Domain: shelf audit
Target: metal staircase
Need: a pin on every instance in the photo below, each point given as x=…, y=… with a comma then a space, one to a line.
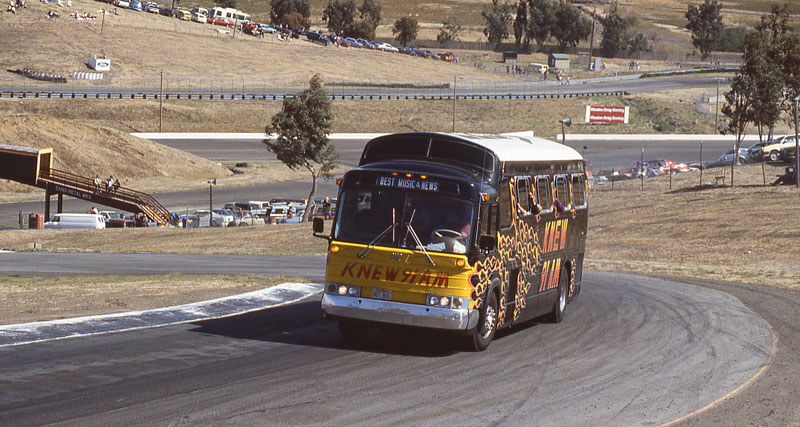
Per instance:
x=58, y=181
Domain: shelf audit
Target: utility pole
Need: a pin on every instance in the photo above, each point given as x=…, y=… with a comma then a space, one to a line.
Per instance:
x=454, y=103
x=161, y=102
x=796, y=145
x=591, y=43
x=716, y=110
x=103, y=22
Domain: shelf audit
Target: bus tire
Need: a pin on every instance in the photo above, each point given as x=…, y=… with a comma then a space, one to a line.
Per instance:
x=483, y=334
x=560, y=304
x=353, y=331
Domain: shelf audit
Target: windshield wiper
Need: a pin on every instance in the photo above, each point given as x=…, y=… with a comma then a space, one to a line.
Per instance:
x=419, y=243
x=371, y=244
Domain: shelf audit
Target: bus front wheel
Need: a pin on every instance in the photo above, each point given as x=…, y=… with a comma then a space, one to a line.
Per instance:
x=560, y=304
x=487, y=324
x=352, y=331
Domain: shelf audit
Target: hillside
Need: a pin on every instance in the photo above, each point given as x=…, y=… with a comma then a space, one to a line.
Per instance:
x=90, y=150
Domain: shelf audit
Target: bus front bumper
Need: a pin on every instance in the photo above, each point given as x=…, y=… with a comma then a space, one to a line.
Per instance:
x=398, y=313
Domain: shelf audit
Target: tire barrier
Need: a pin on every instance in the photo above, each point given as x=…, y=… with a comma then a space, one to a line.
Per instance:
x=87, y=76
x=116, y=95
x=45, y=77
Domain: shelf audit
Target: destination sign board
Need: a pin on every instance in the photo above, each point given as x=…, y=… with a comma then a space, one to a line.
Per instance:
x=407, y=183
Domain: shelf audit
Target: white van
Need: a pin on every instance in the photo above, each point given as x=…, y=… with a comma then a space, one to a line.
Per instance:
x=200, y=14
x=70, y=221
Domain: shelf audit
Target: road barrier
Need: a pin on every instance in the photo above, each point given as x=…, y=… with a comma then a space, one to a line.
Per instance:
x=87, y=76
x=256, y=96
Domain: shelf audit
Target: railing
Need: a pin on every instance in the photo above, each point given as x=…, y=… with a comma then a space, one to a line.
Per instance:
x=143, y=201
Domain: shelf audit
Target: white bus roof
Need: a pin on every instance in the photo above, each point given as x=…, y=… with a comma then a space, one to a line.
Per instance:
x=515, y=148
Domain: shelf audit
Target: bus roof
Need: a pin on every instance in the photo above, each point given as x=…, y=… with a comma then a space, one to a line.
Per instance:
x=514, y=148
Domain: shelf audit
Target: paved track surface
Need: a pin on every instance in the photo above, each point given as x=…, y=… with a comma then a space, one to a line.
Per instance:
x=631, y=351
x=75, y=263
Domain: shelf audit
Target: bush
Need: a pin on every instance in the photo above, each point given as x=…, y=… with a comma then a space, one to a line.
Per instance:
x=731, y=39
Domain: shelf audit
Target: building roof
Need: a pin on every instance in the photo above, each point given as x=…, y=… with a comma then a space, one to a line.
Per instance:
x=559, y=55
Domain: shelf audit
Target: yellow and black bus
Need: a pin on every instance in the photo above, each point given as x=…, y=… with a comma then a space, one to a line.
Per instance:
x=457, y=232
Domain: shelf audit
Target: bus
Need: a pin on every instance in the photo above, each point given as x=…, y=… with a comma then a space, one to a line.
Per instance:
x=456, y=232
x=227, y=16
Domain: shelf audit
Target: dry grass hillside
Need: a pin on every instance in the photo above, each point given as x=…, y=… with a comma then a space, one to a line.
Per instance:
x=90, y=150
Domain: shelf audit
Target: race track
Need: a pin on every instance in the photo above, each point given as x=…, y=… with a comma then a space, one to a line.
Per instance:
x=631, y=351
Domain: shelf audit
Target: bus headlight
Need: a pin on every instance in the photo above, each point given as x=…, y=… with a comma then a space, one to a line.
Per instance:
x=351, y=290
x=443, y=301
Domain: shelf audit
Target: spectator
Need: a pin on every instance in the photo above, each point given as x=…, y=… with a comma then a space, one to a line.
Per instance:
x=94, y=210
x=97, y=183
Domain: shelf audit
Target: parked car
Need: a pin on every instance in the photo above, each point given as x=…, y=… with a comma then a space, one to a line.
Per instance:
x=787, y=154
x=267, y=29
x=353, y=42
x=316, y=37
x=773, y=148
x=182, y=14
x=201, y=219
x=122, y=3
x=755, y=152
x=200, y=14
x=115, y=220
x=727, y=157
x=74, y=221
x=135, y=5
x=429, y=54
x=166, y=11
x=228, y=217
x=386, y=47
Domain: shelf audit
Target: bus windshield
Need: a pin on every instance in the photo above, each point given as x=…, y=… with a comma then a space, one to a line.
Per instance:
x=404, y=220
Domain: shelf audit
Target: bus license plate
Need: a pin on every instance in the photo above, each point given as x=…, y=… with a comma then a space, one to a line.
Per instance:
x=379, y=293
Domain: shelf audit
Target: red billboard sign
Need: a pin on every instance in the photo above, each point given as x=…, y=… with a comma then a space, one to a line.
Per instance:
x=601, y=114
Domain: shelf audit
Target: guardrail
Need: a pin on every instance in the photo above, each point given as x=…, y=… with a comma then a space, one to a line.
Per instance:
x=255, y=96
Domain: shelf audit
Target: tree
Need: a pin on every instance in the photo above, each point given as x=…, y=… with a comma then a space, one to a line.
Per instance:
x=406, y=30
x=738, y=109
x=705, y=24
x=282, y=10
x=450, y=31
x=521, y=26
x=497, y=17
x=541, y=18
x=570, y=25
x=638, y=43
x=370, y=12
x=226, y=3
x=615, y=29
x=302, y=127
x=340, y=15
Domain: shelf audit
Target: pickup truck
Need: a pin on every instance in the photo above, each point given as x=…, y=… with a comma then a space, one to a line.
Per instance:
x=115, y=220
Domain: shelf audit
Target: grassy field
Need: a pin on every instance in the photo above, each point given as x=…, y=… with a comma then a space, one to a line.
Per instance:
x=37, y=299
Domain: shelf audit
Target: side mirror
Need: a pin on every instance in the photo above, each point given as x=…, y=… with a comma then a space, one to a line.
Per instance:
x=487, y=242
x=318, y=225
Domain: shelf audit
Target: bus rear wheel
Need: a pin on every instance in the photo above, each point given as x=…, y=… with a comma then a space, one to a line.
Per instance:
x=353, y=331
x=487, y=324
x=560, y=304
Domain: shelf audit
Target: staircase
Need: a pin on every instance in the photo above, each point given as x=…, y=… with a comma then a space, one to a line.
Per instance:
x=122, y=198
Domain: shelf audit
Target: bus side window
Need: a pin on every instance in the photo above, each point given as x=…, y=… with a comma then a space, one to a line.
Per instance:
x=523, y=195
x=543, y=196
x=579, y=191
x=562, y=191
x=505, y=205
x=487, y=219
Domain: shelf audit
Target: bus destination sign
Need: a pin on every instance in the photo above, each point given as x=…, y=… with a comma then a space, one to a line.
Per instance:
x=407, y=183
